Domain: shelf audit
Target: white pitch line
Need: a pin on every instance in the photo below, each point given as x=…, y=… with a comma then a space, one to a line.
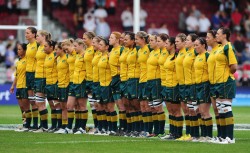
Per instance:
x=94, y=141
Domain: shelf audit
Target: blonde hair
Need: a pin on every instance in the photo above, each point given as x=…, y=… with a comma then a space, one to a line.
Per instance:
x=46, y=34
x=182, y=36
x=68, y=42
x=90, y=35
x=143, y=35
x=80, y=42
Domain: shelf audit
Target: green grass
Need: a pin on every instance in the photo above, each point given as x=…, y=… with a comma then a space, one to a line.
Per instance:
x=12, y=115
x=11, y=141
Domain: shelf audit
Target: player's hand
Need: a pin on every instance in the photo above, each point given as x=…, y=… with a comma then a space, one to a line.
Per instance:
x=11, y=89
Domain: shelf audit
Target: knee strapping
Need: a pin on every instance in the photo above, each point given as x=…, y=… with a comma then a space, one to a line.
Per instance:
x=39, y=99
x=226, y=106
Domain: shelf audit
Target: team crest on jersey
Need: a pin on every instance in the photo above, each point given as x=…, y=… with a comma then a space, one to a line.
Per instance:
x=103, y=59
x=50, y=58
x=33, y=48
x=163, y=54
x=145, y=52
x=215, y=52
x=181, y=54
x=132, y=53
x=89, y=51
x=63, y=61
x=156, y=54
x=200, y=59
x=190, y=54
x=23, y=62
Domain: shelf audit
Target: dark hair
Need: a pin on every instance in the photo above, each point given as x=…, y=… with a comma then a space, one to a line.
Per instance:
x=33, y=30
x=171, y=40
x=131, y=35
x=212, y=32
x=59, y=45
x=163, y=36
x=106, y=42
x=193, y=36
x=202, y=41
x=226, y=32
x=24, y=46
x=51, y=43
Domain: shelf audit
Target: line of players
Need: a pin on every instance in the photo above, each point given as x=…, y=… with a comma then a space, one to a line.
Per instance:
x=135, y=72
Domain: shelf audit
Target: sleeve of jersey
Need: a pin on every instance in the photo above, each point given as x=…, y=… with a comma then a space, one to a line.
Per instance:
x=231, y=56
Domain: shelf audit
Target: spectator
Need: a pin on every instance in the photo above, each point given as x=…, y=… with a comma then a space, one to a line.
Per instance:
x=222, y=6
x=24, y=5
x=216, y=21
x=99, y=13
x=102, y=28
x=9, y=56
x=192, y=23
x=100, y=3
x=2, y=51
x=12, y=6
x=152, y=29
x=236, y=20
x=247, y=9
x=247, y=27
x=143, y=16
x=163, y=29
x=245, y=79
x=89, y=22
x=204, y=25
x=127, y=19
x=182, y=19
x=111, y=6
x=64, y=2
x=196, y=12
x=63, y=36
x=246, y=56
x=224, y=20
x=78, y=18
x=240, y=46
x=55, y=4
x=2, y=5
x=229, y=7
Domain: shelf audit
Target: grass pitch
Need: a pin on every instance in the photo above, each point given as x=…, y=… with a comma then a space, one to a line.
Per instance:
x=15, y=142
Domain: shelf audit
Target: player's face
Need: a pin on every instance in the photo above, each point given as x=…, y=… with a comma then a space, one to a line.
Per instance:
x=102, y=46
x=219, y=35
x=59, y=51
x=20, y=51
x=39, y=38
x=189, y=42
x=139, y=41
x=86, y=39
x=210, y=39
x=179, y=43
x=112, y=39
x=198, y=46
x=95, y=44
x=122, y=39
x=28, y=34
x=160, y=42
x=47, y=48
x=152, y=42
x=168, y=45
x=128, y=42
x=77, y=47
